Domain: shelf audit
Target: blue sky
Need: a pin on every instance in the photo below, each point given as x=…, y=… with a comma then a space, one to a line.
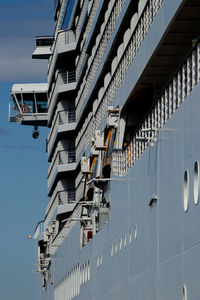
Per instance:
x=23, y=162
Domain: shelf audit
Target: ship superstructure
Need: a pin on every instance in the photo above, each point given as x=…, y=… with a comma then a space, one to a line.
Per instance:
x=122, y=107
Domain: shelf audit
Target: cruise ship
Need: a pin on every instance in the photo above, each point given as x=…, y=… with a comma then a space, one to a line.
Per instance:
x=122, y=104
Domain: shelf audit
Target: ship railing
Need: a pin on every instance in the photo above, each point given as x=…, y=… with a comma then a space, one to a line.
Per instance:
x=120, y=65
x=63, y=37
x=61, y=157
x=66, y=76
x=62, y=117
x=66, y=197
x=63, y=77
x=178, y=88
x=39, y=229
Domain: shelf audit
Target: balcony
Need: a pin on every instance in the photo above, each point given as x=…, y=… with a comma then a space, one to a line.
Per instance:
x=61, y=201
x=65, y=81
x=64, y=121
x=43, y=46
x=65, y=41
x=63, y=161
x=29, y=104
x=66, y=197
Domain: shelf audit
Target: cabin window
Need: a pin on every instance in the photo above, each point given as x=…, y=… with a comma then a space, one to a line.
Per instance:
x=120, y=244
x=112, y=251
x=184, y=292
x=88, y=270
x=97, y=262
x=135, y=232
x=125, y=241
x=196, y=182
x=130, y=237
x=186, y=191
x=116, y=248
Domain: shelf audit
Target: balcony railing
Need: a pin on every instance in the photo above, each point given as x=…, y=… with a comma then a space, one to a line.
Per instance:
x=63, y=77
x=62, y=157
x=178, y=88
x=59, y=198
x=66, y=197
x=62, y=117
x=63, y=37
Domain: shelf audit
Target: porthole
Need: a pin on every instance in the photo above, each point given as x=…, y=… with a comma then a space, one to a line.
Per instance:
x=196, y=182
x=125, y=241
x=184, y=292
x=135, y=232
x=120, y=244
x=186, y=191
